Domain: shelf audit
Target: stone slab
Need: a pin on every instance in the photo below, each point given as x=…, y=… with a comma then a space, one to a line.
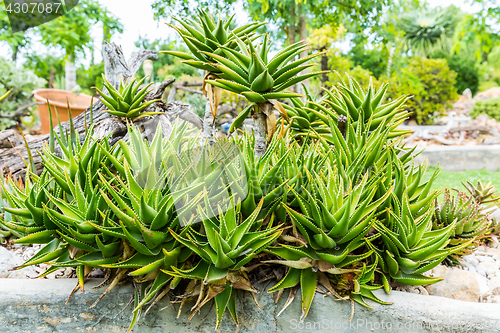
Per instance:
x=460, y=158
x=38, y=306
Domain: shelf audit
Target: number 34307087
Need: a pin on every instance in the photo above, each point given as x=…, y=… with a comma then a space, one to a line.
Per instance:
x=33, y=7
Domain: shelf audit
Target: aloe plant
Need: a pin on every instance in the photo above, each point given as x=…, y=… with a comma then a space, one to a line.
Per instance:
x=333, y=220
x=408, y=245
x=224, y=244
x=347, y=102
x=75, y=208
x=470, y=225
x=205, y=36
x=482, y=193
x=262, y=80
x=127, y=100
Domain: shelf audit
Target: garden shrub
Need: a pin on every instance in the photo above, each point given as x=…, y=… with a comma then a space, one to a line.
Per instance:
x=374, y=60
x=489, y=107
x=467, y=73
x=490, y=70
x=340, y=65
x=22, y=81
x=432, y=85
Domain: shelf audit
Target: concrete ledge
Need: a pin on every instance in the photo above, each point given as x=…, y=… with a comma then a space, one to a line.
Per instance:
x=38, y=306
x=460, y=158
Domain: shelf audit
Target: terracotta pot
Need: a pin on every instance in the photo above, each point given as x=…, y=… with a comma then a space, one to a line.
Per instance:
x=58, y=103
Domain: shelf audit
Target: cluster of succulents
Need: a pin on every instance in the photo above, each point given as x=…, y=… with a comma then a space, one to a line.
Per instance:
x=349, y=213
x=347, y=101
x=469, y=213
x=464, y=213
x=335, y=200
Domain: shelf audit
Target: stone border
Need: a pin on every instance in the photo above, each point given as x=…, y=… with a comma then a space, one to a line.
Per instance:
x=460, y=158
x=38, y=306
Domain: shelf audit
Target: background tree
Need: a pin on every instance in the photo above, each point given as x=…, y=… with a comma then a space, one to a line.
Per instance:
x=71, y=33
x=16, y=41
x=427, y=31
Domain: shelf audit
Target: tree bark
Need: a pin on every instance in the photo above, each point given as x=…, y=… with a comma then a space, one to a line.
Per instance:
x=389, y=62
x=70, y=74
x=208, y=134
x=260, y=128
x=15, y=52
x=292, y=31
x=303, y=37
x=324, y=67
x=291, y=25
x=11, y=161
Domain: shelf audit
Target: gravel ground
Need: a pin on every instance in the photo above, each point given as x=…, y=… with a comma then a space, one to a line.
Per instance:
x=12, y=255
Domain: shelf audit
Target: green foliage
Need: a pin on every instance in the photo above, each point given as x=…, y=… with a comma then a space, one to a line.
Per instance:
x=359, y=14
x=90, y=77
x=474, y=36
x=16, y=41
x=22, y=81
x=489, y=107
x=340, y=64
x=44, y=65
x=467, y=73
x=167, y=66
x=70, y=31
x=490, y=70
x=430, y=82
x=373, y=60
x=49, y=66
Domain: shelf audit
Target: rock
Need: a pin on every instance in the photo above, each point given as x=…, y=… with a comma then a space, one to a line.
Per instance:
x=30, y=306
x=494, y=214
x=483, y=283
x=437, y=271
x=457, y=284
x=471, y=259
x=489, y=267
x=8, y=260
x=413, y=289
x=463, y=106
x=467, y=94
x=494, y=283
x=485, y=258
x=468, y=266
x=481, y=271
x=495, y=252
x=490, y=93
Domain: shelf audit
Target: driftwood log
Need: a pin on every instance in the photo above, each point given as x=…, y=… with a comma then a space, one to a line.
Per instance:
x=483, y=129
x=12, y=160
